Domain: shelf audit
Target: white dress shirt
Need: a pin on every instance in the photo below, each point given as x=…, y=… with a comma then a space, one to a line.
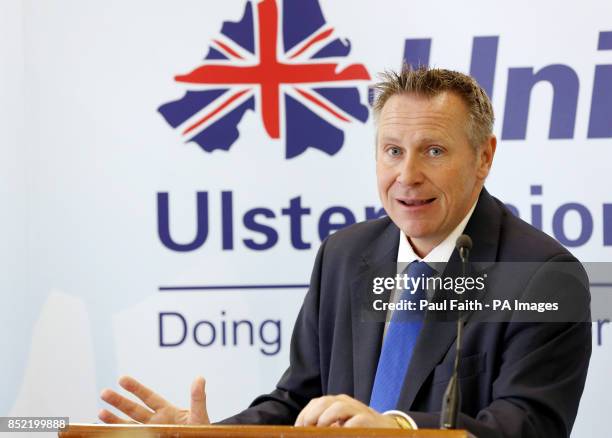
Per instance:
x=440, y=254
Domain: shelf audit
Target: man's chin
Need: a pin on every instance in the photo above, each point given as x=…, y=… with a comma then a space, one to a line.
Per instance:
x=412, y=228
x=419, y=233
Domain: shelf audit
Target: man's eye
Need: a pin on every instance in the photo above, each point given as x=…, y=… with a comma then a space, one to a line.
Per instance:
x=434, y=151
x=394, y=152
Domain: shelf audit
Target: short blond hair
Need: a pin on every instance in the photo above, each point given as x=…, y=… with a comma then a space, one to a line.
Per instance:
x=430, y=82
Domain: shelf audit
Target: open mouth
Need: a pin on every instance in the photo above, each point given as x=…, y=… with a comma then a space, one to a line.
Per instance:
x=416, y=202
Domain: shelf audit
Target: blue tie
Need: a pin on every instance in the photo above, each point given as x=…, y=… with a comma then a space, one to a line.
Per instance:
x=400, y=339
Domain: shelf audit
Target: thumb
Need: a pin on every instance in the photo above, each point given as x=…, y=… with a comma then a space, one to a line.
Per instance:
x=198, y=413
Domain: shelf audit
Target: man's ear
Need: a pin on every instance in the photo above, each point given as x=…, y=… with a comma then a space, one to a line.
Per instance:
x=486, y=152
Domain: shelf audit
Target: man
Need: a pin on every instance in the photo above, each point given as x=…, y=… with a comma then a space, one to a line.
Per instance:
x=434, y=150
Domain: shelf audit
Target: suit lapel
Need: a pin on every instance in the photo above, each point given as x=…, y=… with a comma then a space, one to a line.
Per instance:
x=484, y=228
x=436, y=336
x=379, y=261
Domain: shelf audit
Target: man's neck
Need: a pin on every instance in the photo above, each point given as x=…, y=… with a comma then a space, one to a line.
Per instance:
x=422, y=247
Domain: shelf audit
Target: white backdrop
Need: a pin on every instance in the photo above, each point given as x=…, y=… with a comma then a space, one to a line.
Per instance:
x=85, y=154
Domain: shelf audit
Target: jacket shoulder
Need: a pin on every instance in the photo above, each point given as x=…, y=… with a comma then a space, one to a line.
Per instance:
x=521, y=241
x=363, y=237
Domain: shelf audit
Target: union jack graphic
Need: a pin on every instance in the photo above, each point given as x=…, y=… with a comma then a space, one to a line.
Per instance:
x=282, y=61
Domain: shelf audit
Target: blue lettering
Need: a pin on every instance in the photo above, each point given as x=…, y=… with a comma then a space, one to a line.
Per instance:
x=536, y=209
x=521, y=81
x=326, y=227
x=162, y=341
x=600, y=120
x=163, y=223
x=600, y=324
x=223, y=323
x=586, y=224
x=374, y=213
x=276, y=336
x=209, y=334
x=607, y=224
x=213, y=333
x=249, y=324
x=484, y=60
x=227, y=220
x=295, y=213
x=416, y=52
x=251, y=224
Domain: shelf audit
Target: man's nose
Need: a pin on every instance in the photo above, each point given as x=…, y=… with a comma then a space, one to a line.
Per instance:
x=411, y=171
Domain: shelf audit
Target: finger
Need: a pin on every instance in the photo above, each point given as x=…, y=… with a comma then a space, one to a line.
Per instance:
x=359, y=420
x=127, y=406
x=149, y=398
x=198, y=414
x=299, y=422
x=110, y=418
x=315, y=408
x=338, y=412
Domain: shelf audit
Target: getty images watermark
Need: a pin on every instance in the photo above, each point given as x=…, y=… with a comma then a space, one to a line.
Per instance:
x=563, y=291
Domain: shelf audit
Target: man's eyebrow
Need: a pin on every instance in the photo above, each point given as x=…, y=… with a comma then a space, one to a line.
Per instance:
x=389, y=139
x=429, y=140
x=420, y=140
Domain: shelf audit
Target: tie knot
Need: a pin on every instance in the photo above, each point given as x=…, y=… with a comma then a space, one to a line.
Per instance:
x=415, y=281
x=418, y=269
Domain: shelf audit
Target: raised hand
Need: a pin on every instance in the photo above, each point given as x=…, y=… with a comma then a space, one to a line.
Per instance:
x=156, y=409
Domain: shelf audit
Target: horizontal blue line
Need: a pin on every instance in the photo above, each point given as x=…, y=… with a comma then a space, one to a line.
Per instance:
x=232, y=287
x=601, y=284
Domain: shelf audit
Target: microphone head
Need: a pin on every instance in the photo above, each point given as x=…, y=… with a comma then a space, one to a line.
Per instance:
x=464, y=241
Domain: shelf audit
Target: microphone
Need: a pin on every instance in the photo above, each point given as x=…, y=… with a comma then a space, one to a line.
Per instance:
x=464, y=245
x=451, y=402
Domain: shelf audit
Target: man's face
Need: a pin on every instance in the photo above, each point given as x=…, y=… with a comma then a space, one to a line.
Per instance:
x=428, y=173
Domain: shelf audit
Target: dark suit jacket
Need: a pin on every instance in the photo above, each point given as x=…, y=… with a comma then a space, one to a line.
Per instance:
x=518, y=379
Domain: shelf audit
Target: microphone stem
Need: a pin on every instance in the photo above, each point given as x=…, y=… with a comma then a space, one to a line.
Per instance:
x=458, y=352
x=452, y=396
x=464, y=254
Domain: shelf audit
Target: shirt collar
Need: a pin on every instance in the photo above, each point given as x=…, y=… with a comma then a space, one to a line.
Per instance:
x=441, y=253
